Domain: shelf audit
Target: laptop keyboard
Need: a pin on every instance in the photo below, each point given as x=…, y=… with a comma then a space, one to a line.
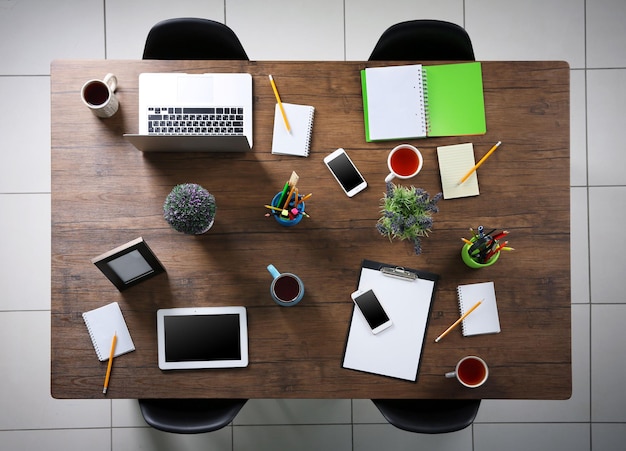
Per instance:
x=215, y=121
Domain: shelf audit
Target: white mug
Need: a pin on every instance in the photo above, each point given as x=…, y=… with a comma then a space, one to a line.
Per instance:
x=470, y=371
x=404, y=161
x=99, y=96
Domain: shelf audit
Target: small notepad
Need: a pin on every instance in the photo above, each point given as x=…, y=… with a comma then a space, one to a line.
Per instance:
x=454, y=162
x=298, y=142
x=483, y=320
x=102, y=323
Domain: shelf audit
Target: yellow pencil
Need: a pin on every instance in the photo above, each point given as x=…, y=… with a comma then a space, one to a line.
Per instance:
x=280, y=105
x=482, y=160
x=466, y=241
x=108, y=375
x=458, y=321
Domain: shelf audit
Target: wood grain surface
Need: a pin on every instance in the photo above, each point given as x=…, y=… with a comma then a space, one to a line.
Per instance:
x=105, y=193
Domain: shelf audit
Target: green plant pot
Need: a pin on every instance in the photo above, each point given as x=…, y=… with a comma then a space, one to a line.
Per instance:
x=469, y=261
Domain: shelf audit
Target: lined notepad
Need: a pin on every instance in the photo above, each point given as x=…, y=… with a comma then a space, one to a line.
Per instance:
x=102, y=323
x=298, y=141
x=483, y=320
x=454, y=162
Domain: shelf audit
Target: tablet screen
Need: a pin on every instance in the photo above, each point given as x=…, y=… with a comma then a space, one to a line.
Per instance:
x=202, y=337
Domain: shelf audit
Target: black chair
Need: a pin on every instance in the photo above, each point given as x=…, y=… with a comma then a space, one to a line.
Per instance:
x=423, y=40
x=429, y=416
x=192, y=39
x=190, y=416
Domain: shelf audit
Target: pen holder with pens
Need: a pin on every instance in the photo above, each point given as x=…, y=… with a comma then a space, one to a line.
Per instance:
x=474, y=263
x=294, y=210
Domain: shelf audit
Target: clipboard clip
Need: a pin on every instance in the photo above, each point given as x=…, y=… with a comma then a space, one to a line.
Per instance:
x=398, y=272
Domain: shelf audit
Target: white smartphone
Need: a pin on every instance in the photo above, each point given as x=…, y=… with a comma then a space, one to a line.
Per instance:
x=345, y=172
x=372, y=310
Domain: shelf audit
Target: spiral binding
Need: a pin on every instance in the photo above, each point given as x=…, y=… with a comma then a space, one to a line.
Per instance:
x=461, y=307
x=308, y=133
x=425, y=101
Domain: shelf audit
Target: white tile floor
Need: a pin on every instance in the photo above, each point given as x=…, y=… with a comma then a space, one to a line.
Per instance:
x=589, y=34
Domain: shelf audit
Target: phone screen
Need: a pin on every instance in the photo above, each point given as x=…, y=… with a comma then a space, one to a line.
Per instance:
x=345, y=172
x=372, y=310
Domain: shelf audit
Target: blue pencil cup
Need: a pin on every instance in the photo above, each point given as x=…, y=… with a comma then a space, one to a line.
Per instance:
x=285, y=221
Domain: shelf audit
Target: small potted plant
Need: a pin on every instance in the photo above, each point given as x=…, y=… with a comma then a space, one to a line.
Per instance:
x=190, y=209
x=407, y=214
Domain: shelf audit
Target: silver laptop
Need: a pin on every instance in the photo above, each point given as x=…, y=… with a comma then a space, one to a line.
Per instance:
x=194, y=112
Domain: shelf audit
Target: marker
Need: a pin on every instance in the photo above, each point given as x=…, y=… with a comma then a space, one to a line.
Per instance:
x=458, y=321
x=280, y=105
x=482, y=160
x=108, y=375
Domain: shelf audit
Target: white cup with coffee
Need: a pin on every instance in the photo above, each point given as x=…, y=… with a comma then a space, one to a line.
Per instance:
x=99, y=96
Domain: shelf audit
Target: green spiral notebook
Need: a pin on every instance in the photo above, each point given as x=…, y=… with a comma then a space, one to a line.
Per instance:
x=415, y=101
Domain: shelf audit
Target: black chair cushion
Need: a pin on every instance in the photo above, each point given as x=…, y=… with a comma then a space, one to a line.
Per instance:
x=425, y=40
x=193, y=39
x=190, y=416
x=429, y=416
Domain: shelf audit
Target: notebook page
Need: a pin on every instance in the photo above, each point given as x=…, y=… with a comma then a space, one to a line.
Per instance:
x=483, y=320
x=395, y=102
x=298, y=142
x=454, y=162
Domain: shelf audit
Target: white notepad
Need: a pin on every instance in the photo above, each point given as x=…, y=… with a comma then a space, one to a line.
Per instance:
x=102, y=323
x=298, y=142
x=483, y=320
x=454, y=162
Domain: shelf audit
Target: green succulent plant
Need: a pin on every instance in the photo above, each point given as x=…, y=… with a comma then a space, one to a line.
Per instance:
x=407, y=214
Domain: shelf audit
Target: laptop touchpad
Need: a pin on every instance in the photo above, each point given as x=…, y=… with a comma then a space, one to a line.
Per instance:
x=195, y=90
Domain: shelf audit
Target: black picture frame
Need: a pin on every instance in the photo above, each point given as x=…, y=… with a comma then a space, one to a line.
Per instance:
x=129, y=264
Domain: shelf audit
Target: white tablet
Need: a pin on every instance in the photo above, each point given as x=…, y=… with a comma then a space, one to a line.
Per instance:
x=202, y=337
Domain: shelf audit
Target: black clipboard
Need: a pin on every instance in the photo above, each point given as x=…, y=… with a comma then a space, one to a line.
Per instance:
x=407, y=294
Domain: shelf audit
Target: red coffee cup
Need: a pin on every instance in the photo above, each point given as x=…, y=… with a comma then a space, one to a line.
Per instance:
x=471, y=371
x=404, y=161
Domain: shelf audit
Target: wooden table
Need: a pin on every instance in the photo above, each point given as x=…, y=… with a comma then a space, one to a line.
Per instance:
x=105, y=193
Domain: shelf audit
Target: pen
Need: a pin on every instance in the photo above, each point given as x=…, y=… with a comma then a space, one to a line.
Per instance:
x=280, y=105
x=482, y=160
x=106, y=378
x=458, y=321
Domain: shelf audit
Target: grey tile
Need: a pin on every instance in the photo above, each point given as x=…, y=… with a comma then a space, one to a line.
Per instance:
x=608, y=363
x=530, y=30
x=578, y=128
x=606, y=96
x=575, y=409
x=606, y=218
x=294, y=411
x=36, y=32
x=149, y=439
x=292, y=437
x=25, y=136
x=25, y=270
x=288, y=30
x=128, y=23
x=366, y=20
x=579, y=239
x=606, y=33
x=57, y=440
x=25, y=369
x=126, y=413
x=375, y=437
x=608, y=437
x=364, y=411
x=532, y=437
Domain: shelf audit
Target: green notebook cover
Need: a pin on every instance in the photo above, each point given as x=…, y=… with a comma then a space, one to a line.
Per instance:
x=456, y=105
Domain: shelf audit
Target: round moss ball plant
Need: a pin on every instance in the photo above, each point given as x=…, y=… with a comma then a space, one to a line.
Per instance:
x=190, y=209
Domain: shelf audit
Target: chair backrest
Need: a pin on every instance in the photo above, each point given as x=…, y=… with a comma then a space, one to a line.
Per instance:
x=424, y=40
x=193, y=39
x=429, y=416
x=190, y=416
